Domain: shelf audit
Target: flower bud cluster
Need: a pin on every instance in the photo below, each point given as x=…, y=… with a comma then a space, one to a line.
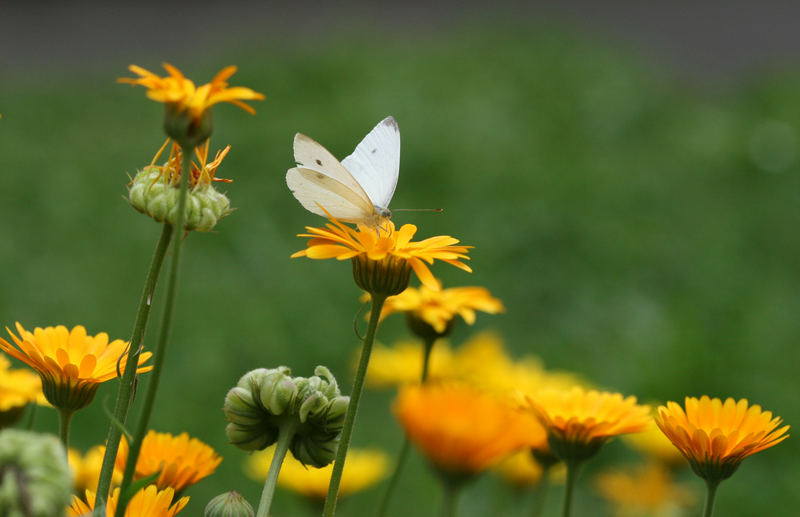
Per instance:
x=35, y=480
x=229, y=504
x=265, y=400
x=152, y=194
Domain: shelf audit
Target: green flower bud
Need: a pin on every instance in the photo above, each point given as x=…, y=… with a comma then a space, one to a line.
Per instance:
x=265, y=399
x=229, y=504
x=35, y=480
x=152, y=194
x=184, y=128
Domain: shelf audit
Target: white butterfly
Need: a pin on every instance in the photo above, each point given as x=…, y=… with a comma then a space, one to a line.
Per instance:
x=358, y=189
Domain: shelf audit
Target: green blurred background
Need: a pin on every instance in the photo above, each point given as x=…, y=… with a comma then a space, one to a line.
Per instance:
x=637, y=216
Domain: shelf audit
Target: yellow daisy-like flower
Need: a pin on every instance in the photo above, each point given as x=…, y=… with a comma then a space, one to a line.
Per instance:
x=147, y=502
x=180, y=461
x=655, y=445
x=86, y=469
x=18, y=388
x=379, y=254
x=437, y=308
x=178, y=90
x=71, y=363
x=402, y=363
x=647, y=491
x=363, y=468
x=715, y=436
x=461, y=430
x=579, y=422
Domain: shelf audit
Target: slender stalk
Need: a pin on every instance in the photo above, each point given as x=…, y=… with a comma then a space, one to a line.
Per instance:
x=572, y=475
x=31, y=416
x=352, y=408
x=163, y=336
x=126, y=386
x=540, y=493
x=711, y=495
x=450, y=492
x=285, y=435
x=64, y=419
x=402, y=457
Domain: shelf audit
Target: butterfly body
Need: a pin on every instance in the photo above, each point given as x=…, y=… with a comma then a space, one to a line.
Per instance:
x=356, y=190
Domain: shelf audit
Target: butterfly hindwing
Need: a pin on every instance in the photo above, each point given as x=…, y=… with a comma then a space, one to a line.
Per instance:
x=375, y=163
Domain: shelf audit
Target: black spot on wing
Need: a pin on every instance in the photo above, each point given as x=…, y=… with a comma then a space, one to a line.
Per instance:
x=319, y=162
x=373, y=151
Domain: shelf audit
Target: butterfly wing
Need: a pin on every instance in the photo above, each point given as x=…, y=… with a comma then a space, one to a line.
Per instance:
x=375, y=163
x=320, y=181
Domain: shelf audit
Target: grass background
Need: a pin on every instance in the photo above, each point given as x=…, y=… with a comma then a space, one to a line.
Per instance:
x=641, y=231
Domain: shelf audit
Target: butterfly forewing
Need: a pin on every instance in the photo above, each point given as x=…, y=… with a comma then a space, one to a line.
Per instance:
x=375, y=163
x=318, y=193
x=311, y=155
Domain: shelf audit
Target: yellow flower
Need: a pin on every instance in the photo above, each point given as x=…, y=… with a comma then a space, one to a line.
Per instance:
x=179, y=460
x=439, y=307
x=460, y=429
x=202, y=173
x=17, y=389
x=147, y=502
x=86, y=469
x=647, y=491
x=653, y=443
x=363, y=468
x=180, y=91
x=715, y=436
x=579, y=422
x=384, y=245
x=71, y=364
x=402, y=363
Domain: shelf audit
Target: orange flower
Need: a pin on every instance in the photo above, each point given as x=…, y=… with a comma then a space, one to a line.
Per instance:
x=579, y=422
x=147, y=502
x=202, y=173
x=71, y=364
x=179, y=460
x=460, y=430
x=384, y=244
x=648, y=490
x=86, y=468
x=439, y=307
x=715, y=436
x=180, y=91
x=17, y=389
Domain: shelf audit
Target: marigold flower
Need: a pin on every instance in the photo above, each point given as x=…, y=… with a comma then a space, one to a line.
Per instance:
x=86, y=468
x=180, y=461
x=437, y=308
x=188, y=118
x=364, y=468
x=579, y=422
x=17, y=389
x=461, y=430
x=71, y=364
x=647, y=491
x=147, y=502
x=715, y=436
x=383, y=251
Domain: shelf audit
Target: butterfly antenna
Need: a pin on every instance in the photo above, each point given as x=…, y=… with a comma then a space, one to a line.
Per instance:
x=417, y=209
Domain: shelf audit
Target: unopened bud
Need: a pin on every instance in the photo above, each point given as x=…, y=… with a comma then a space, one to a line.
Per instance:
x=229, y=504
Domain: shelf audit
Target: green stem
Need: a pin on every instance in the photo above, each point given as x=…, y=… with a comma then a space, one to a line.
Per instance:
x=126, y=386
x=64, y=419
x=31, y=416
x=352, y=408
x=401, y=458
x=285, y=435
x=572, y=475
x=450, y=492
x=711, y=495
x=163, y=336
x=540, y=493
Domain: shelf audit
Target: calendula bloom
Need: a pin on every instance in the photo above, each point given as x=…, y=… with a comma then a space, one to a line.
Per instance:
x=86, y=468
x=364, y=468
x=402, y=363
x=147, y=502
x=179, y=460
x=647, y=491
x=438, y=308
x=715, y=436
x=383, y=254
x=155, y=189
x=71, y=363
x=655, y=445
x=18, y=388
x=579, y=422
x=459, y=429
